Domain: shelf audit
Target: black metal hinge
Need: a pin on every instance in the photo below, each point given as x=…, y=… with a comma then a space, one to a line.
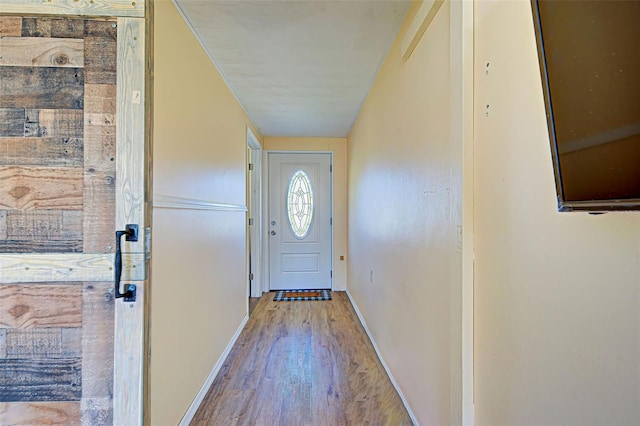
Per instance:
x=250, y=166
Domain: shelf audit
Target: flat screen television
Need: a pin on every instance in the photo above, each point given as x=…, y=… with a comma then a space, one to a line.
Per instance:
x=589, y=56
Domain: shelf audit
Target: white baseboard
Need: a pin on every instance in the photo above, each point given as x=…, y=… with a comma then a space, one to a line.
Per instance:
x=188, y=416
x=384, y=364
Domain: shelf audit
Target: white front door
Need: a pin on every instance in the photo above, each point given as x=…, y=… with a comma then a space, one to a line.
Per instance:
x=300, y=239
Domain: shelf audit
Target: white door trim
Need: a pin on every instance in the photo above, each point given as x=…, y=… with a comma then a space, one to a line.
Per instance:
x=254, y=200
x=265, y=211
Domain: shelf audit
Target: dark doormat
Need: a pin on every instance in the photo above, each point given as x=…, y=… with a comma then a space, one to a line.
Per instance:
x=295, y=295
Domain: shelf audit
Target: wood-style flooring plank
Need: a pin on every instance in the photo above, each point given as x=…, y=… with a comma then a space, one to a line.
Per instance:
x=302, y=363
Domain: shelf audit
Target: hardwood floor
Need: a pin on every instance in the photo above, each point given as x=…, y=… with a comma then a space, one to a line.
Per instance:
x=302, y=363
x=253, y=302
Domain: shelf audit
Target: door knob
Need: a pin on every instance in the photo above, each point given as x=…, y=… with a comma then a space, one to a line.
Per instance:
x=273, y=232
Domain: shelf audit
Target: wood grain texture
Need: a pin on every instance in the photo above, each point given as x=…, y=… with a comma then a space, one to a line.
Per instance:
x=99, y=211
x=3, y=343
x=40, y=305
x=100, y=98
x=303, y=363
x=42, y=231
x=40, y=413
x=10, y=26
x=12, y=122
x=43, y=343
x=101, y=52
x=40, y=380
x=55, y=151
x=130, y=156
x=74, y=7
x=53, y=27
x=97, y=350
x=44, y=224
x=129, y=339
x=3, y=224
x=54, y=122
x=15, y=268
x=38, y=52
x=100, y=60
x=40, y=87
x=41, y=188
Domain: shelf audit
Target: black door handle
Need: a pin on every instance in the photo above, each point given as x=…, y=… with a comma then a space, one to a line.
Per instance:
x=131, y=234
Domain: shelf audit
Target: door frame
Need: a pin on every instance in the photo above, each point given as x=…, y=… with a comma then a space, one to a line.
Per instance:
x=265, y=212
x=133, y=143
x=254, y=211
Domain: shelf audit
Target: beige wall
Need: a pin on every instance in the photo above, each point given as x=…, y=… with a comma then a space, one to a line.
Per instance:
x=557, y=325
x=199, y=290
x=402, y=226
x=338, y=146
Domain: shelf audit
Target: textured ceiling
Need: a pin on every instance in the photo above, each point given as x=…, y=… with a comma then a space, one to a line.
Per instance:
x=299, y=68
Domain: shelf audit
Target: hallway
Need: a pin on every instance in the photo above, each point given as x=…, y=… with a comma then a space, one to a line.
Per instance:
x=302, y=363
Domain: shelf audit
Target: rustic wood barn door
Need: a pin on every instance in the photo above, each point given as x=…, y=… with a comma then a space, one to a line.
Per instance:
x=72, y=172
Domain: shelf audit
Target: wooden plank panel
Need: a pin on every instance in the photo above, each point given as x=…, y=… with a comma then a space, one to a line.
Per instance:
x=128, y=399
x=12, y=122
x=99, y=98
x=40, y=87
x=15, y=268
x=40, y=380
x=31, y=246
x=10, y=26
x=40, y=305
x=44, y=224
x=3, y=343
x=36, y=342
x=126, y=8
x=3, y=224
x=72, y=341
x=43, y=343
x=38, y=52
x=67, y=28
x=99, y=212
x=99, y=120
x=54, y=122
x=53, y=27
x=100, y=152
x=100, y=60
x=60, y=151
x=107, y=29
x=36, y=27
x=97, y=350
x=131, y=128
x=41, y=188
x=43, y=231
x=40, y=413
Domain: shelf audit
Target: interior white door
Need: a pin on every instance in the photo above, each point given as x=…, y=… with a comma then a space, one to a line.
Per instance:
x=300, y=239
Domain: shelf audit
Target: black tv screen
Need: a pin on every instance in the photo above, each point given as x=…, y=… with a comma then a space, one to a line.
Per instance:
x=589, y=55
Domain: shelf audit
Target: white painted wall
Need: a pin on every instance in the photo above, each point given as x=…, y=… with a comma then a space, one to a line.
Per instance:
x=199, y=287
x=557, y=309
x=405, y=192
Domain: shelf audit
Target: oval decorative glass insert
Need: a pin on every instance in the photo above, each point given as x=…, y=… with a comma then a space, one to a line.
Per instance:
x=300, y=204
